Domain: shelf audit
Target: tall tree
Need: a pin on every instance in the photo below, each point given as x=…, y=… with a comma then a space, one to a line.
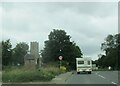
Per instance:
x=59, y=44
x=110, y=42
x=19, y=52
x=6, y=52
x=111, y=48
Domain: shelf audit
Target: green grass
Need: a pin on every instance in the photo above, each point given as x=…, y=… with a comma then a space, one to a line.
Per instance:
x=23, y=75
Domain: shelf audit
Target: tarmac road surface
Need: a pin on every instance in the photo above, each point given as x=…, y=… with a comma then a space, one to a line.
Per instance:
x=97, y=77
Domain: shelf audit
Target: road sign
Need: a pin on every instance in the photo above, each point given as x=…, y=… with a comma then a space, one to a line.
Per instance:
x=60, y=57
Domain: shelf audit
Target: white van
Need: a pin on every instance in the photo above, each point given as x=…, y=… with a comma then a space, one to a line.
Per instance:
x=84, y=65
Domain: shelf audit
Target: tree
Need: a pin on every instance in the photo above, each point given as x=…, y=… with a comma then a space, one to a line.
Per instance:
x=6, y=52
x=111, y=48
x=110, y=42
x=59, y=44
x=100, y=61
x=19, y=52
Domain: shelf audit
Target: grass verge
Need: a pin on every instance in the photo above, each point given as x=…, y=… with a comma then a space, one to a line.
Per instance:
x=23, y=75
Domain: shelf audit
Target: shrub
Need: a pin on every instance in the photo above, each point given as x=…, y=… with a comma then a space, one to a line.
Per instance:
x=63, y=69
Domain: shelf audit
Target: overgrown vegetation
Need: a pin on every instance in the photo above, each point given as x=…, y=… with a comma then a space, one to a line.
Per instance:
x=24, y=75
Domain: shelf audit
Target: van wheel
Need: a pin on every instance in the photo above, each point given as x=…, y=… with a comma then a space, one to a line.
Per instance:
x=78, y=72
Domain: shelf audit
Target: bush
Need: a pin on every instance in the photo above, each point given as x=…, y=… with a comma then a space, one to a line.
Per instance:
x=63, y=69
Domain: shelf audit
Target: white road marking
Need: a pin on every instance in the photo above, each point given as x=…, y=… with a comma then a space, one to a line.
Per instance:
x=96, y=73
x=101, y=76
x=105, y=78
x=114, y=83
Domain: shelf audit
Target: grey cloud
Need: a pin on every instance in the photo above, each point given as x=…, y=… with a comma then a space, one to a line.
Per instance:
x=87, y=23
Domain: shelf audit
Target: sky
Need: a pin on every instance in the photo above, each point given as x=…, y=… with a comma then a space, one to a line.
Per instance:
x=88, y=23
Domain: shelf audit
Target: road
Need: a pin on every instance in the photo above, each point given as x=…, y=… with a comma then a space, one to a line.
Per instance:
x=97, y=77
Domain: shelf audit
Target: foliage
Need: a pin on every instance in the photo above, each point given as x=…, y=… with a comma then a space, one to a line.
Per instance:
x=53, y=70
x=59, y=44
x=24, y=75
x=19, y=52
x=63, y=69
x=6, y=52
x=111, y=46
x=13, y=56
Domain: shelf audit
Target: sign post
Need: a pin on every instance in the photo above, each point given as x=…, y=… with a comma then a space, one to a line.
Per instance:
x=60, y=58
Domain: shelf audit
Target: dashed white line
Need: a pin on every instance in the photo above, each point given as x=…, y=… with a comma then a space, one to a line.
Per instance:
x=101, y=76
x=114, y=83
x=105, y=78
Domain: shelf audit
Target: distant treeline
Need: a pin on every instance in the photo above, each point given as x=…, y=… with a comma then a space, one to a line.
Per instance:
x=59, y=44
x=111, y=47
x=13, y=56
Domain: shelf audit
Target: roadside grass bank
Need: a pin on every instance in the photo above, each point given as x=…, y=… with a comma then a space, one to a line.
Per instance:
x=30, y=75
